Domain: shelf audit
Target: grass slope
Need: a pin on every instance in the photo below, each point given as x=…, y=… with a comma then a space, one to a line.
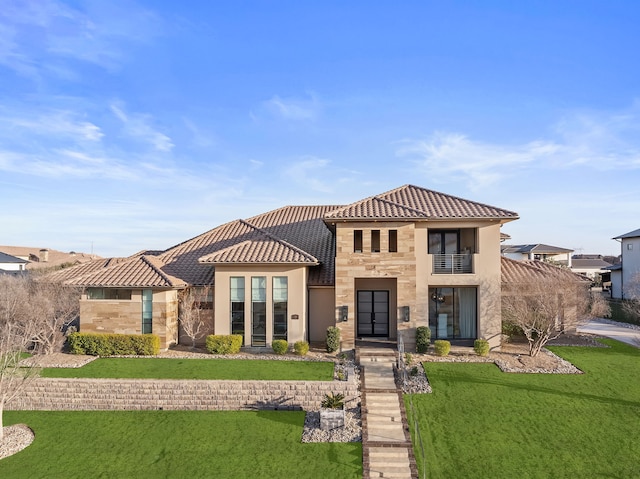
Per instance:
x=480, y=422
x=175, y=444
x=164, y=368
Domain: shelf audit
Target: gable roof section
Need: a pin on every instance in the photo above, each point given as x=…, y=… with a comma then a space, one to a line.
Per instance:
x=532, y=271
x=415, y=203
x=7, y=258
x=136, y=272
x=630, y=234
x=536, y=248
x=262, y=248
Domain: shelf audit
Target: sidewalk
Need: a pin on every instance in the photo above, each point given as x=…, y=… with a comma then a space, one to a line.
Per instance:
x=610, y=329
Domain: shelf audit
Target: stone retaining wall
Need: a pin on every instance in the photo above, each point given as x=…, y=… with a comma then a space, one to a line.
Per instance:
x=151, y=394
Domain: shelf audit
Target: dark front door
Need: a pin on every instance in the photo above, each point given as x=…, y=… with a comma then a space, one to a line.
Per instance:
x=373, y=313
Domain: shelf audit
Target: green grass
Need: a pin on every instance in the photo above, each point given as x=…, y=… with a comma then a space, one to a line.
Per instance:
x=480, y=422
x=164, y=368
x=174, y=444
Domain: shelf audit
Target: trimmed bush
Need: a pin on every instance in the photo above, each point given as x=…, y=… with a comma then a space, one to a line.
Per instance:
x=333, y=339
x=97, y=344
x=511, y=330
x=423, y=338
x=280, y=346
x=224, y=343
x=481, y=347
x=442, y=347
x=301, y=348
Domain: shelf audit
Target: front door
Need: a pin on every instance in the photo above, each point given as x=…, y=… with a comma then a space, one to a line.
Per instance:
x=373, y=313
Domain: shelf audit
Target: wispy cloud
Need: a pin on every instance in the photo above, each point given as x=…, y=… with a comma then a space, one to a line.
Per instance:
x=308, y=172
x=589, y=140
x=294, y=109
x=138, y=126
x=38, y=36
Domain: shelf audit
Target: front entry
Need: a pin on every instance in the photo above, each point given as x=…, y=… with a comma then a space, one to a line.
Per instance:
x=373, y=313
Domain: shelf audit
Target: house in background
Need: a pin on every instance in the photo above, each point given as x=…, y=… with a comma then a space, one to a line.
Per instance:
x=590, y=265
x=46, y=258
x=541, y=252
x=376, y=268
x=623, y=275
x=11, y=264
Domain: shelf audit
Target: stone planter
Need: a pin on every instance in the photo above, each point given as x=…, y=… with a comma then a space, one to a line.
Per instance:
x=331, y=418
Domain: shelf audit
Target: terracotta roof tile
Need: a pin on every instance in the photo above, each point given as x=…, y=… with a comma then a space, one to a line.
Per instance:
x=413, y=202
x=523, y=272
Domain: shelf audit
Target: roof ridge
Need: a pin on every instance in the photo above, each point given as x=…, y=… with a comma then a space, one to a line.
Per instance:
x=162, y=274
x=280, y=240
x=398, y=205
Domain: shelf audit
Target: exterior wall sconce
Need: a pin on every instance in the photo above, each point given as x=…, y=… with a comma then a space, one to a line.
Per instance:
x=405, y=313
x=343, y=313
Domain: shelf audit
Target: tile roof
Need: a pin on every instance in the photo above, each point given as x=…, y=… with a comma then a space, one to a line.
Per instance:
x=82, y=269
x=631, y=234
x=415, y=203
x=533, y=271
x=135, y=272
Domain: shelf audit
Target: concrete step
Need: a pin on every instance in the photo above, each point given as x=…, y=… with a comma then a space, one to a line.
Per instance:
x=388, y=453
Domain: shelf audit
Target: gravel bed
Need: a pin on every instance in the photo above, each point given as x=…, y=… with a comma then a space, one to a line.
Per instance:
x=416, y=380
x=16, y=438
x=351, y=432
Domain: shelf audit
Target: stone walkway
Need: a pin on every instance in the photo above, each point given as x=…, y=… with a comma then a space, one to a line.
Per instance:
x=387, y=451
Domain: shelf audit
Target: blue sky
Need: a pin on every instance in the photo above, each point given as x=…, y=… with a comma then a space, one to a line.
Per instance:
x=130, y=125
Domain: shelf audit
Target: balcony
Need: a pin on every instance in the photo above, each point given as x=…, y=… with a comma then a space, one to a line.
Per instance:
x=452, y=263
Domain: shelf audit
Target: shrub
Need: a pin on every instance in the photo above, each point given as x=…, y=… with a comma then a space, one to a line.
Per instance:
x=408, y=358
x=511, y=330
x=333, y=339
x=301, y=348
x=97, y=344
x=224, y=343
x=481, y=347
x=442, y=347
x=414, y=371
x=280, y=346
x=333, y=401
x=423, y=338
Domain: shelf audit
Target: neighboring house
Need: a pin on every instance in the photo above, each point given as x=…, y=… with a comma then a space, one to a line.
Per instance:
x=11, y=264
x=562, y=285
x=625, y=275
x=590, y=265
x=378, y=268
x=41, y=258
x=542, y=252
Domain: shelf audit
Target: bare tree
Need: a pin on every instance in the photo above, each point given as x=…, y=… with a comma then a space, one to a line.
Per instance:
x=631, y=303
x=16, y=332
x=545, y=308
x=193, y=304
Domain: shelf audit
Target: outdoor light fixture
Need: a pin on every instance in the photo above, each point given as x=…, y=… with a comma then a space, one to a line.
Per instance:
x=344, y=313
x=405, y=314
x=438, y=298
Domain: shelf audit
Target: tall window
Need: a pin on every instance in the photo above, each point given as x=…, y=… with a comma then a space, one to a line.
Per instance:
x=443, y=242
x=237, y=306
x=393, y=241
x=452, y=313
x=357, y=241
x=375, y=241
x=147, y=311
x=280, y=297
x=259, y=311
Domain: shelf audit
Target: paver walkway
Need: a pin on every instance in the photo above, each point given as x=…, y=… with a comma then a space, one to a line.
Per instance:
x=386, y=443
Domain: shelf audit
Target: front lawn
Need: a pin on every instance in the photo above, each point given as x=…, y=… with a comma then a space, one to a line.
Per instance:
x=165, y=368
x=175, y=444
x=481, y=422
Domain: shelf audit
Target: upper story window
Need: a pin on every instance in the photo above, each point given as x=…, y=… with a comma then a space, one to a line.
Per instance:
x=109, y=293
x=357, y=241
x=393, y=241
x=375, y=241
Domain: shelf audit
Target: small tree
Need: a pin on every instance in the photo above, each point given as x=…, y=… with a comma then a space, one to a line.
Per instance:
x=545, y=308
x=192, y=303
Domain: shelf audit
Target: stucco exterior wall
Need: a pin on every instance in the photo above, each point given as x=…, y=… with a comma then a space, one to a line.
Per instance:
x=297, y=299
x=630, y=266
x=322, y=310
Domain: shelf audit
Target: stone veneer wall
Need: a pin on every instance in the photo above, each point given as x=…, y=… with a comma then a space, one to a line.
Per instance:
x=149, y=394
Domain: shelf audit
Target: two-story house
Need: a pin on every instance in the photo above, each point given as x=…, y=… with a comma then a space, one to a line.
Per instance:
x=378, y=267
x=626, y=275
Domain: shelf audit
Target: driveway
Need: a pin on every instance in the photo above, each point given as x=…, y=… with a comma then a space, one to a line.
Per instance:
x=610, y=329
